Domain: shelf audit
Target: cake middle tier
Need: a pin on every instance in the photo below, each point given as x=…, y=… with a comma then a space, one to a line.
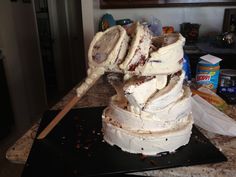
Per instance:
x=162, y=119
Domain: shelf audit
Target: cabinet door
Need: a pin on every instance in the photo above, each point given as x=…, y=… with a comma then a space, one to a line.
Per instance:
x=6, y=118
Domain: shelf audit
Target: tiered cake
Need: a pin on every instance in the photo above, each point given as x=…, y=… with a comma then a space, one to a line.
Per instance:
x=151, y=112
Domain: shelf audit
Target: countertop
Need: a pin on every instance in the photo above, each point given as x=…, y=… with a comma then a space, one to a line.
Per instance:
x=99, y=95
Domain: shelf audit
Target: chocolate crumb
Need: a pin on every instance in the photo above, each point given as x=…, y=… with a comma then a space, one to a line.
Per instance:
x=78, y=146
x=153, y=162
x=180, y=61
x=96, y=47
x=142, y=157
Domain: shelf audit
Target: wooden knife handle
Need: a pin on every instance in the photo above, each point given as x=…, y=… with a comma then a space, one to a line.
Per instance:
x=81, y=90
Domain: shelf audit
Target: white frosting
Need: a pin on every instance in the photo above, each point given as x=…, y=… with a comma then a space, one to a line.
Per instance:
x=138, y=93
x=92, y=77
x=108, y=48
x=172, y=92
x=166, y=59
x=148, y=143
x=162, y=119
x=158, y=116
x=138, y=50
x=106, y=51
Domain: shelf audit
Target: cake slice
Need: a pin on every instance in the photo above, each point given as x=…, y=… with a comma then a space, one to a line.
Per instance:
x=138, y=49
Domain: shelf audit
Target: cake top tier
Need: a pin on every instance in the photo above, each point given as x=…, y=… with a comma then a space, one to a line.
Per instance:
x=135, y=51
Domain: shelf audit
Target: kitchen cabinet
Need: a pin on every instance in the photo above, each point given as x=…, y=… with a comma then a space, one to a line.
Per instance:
x=6, y=118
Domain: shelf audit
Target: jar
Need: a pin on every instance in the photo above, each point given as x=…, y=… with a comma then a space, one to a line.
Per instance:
x=227, y=81
x=207, y=75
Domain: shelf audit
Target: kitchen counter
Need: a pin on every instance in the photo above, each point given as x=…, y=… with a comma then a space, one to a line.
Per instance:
x=99, y=95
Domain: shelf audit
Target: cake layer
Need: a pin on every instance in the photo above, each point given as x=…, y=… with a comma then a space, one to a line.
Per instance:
x=162, y=119
x=150, y=143
x=108, y=48
x=166, y=56
x=172, y=92
x=139, y=89
x=138, y=50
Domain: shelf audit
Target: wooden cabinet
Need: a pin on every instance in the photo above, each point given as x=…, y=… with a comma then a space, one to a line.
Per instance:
x=115, y=4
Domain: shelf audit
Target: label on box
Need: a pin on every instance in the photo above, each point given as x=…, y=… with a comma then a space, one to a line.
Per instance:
x=227, y=90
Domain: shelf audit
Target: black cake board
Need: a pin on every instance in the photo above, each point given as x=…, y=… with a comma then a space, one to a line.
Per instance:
x=75, y=148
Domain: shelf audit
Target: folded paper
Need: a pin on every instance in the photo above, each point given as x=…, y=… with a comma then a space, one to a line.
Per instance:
x=211, y=119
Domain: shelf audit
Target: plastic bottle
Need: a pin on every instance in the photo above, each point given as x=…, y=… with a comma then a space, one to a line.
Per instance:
x=186, y=67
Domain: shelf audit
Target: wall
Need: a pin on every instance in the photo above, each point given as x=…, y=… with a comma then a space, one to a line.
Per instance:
x=88, y=23
x=210, y=18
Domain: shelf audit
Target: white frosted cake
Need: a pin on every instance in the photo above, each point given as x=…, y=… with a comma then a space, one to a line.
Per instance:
x=151, y=112
x=162, y=124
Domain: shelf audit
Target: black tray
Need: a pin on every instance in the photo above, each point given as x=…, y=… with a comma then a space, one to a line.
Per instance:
x=75, y=148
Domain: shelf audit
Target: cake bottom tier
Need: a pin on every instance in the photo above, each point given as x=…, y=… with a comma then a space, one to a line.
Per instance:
x=150, y=143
